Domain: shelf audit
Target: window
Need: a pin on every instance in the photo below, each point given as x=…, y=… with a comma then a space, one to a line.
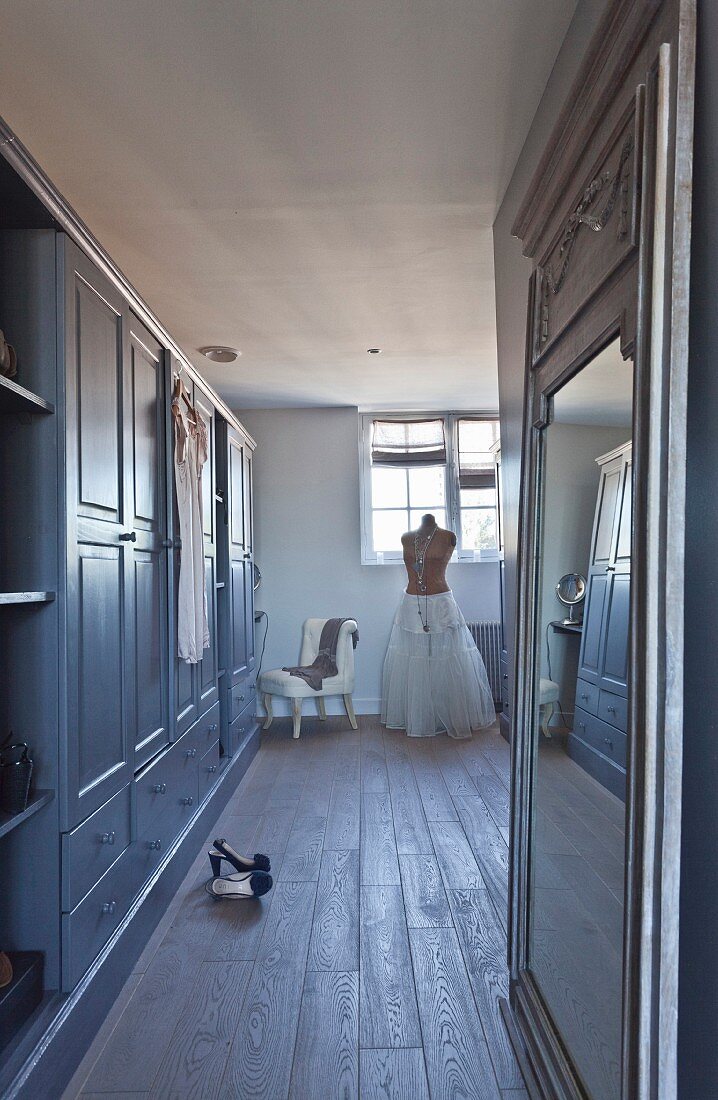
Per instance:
x=415, y=464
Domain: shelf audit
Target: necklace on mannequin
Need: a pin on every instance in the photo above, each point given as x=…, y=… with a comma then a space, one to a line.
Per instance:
x=419, y=566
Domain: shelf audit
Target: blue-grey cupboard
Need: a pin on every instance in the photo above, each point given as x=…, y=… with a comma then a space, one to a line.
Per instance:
x=135, y=751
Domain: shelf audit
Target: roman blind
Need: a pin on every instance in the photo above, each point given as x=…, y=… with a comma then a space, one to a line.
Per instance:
x=476, y=459
x=408, y=443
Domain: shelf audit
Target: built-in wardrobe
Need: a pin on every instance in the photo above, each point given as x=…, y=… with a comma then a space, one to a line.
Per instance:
x=134, y=751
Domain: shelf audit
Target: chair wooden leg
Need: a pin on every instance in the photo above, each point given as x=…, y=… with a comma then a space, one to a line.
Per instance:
x=546, y=714
x=349, y=707
x=296, y=716
x=268, y=708
x=321, y=708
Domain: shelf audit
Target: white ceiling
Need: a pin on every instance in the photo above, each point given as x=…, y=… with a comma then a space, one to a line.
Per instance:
x=301, y=179
x=601, y=394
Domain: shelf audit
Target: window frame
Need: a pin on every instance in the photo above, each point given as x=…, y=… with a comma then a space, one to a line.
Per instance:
x=369, y=556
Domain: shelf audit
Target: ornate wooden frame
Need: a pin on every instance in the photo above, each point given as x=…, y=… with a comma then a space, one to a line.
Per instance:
x=607, y=223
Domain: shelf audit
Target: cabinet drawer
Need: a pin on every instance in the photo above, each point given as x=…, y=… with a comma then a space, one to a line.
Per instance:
x=206, y=730
x=243, y=724
x=602, y=737
x=587, y=696
x=88, y=927
x=208, y=771
x=91, y=849
x=156, y=841
x=158, y=785
x=242, y=696
x=613, y=709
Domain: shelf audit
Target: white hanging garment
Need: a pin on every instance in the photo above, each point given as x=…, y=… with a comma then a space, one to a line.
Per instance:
x=190, y=455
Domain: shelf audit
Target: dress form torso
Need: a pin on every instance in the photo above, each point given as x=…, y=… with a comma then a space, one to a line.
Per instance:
x=437, y=557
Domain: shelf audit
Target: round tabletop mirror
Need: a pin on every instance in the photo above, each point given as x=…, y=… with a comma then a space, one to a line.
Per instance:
x=571, y=591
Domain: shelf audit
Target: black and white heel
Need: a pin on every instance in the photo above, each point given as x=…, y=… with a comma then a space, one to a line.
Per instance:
x=222, y=850
x=249, y=884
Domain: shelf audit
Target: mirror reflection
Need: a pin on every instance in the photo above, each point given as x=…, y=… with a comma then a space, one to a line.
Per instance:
x=581, y=691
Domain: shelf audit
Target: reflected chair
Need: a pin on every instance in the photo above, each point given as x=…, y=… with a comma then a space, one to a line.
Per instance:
x=548, y=695
x=283, y=684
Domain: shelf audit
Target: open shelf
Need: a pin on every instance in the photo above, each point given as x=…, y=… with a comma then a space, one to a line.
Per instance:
x=38, y=799
x=26, y=597
x=16, y=399
x=567, y=628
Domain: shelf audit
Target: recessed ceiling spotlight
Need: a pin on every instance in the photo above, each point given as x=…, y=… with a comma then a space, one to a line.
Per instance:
x=219, y=354
x=374, y=351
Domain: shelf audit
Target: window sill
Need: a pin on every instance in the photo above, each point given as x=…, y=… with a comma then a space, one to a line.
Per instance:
x=487, y=558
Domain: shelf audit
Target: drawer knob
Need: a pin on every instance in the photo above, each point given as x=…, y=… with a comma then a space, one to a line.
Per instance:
x=190, y=752
x=188, y=801
x=108, y=838
x=212, y=728
x=211, y=768
x=160, y=788
x=584, y=695
x=506, y=676
x=608, y=741
x=241, y=698
x=109, y=907
x=154, y=845
x=582, y=725
x=611, y=710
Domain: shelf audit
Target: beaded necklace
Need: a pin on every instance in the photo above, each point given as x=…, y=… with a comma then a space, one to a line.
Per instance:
x=419, y=566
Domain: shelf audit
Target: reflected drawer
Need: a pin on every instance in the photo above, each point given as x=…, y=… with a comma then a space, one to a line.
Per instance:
x=91, y=848
x=206, y=730
x=241, y=728
x=613, y=709
x=242, y=696
x=587, y=696
x=208, y=771
x=159, y=785
x=602, y=737
x=86, y=930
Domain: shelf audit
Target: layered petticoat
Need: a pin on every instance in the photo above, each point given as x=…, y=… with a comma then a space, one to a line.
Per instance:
x=434, y=681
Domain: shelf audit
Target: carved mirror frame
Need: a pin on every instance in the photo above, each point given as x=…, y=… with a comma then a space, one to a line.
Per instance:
x=606, y=222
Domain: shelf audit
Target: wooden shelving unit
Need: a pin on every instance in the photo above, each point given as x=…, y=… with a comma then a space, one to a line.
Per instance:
x=37, y=800
x=21, y=598
x=16, y=399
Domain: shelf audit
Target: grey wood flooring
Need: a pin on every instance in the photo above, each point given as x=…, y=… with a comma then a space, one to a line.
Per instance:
x=374, y=966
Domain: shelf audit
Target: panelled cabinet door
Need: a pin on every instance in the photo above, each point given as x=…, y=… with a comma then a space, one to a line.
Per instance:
x=605, y=524
x=145, y=399
x=99, y=554
x=208, y=668
x=240, y=573
x=622, y=556
x=589, y=662
x=614, y=670
x=249, y=560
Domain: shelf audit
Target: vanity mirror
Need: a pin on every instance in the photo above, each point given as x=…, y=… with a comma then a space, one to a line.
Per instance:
x=595, y=829
x=571, y=592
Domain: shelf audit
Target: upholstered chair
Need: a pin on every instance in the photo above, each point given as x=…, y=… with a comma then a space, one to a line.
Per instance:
x=277, y=682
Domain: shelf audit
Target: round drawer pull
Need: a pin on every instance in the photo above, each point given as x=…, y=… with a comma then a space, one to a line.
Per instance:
x=584, y=695
x=190, y=752
x=241, y=698
x=108, y=838
x=582, y=725
x=154, y=845
x=212, y=728
x=109, y=907
x=608, y=741
x=188, y=801
x=211, y=768
x=611, y=710
x=160, y=788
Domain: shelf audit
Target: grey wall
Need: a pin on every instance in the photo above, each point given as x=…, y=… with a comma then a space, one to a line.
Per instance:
x=698, y=993
x=307, y=543
x=572, y=478
x=512, y=272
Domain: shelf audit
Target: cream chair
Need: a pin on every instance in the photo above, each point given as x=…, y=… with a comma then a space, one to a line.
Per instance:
x=278, y=682
x=548, y=695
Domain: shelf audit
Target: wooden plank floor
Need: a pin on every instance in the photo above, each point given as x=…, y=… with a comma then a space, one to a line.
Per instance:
x=374, y=966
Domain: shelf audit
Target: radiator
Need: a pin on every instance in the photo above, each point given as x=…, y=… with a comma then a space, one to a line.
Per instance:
x=487, y=636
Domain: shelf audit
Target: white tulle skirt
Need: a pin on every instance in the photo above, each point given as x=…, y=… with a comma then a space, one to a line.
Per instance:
x=434, y=681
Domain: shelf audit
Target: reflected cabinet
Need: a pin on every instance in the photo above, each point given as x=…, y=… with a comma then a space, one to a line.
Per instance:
x=596, y=776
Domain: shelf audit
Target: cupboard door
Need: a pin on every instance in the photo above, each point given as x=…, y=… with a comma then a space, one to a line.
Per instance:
x=614, y=671
x=604, y=528
x=99, y=556
x=589, y=662
x=208, y=670
x=240, y=566
x=622, y=556
x=145, y=399
x=249, y=559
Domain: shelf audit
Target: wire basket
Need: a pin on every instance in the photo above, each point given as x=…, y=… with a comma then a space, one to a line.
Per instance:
x=15, y=775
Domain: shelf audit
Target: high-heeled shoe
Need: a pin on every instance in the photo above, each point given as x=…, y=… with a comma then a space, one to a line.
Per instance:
x=222, y=850
x=250, y=884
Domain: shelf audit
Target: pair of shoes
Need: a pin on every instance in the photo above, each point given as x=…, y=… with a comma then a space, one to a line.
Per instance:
x=252, y=879
x=222, y=850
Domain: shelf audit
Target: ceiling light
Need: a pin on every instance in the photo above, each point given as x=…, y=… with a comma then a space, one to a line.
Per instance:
x=219, y=354
x=374, y=351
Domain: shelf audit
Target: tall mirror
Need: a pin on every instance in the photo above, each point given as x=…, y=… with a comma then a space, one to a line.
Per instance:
x=581, y=689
